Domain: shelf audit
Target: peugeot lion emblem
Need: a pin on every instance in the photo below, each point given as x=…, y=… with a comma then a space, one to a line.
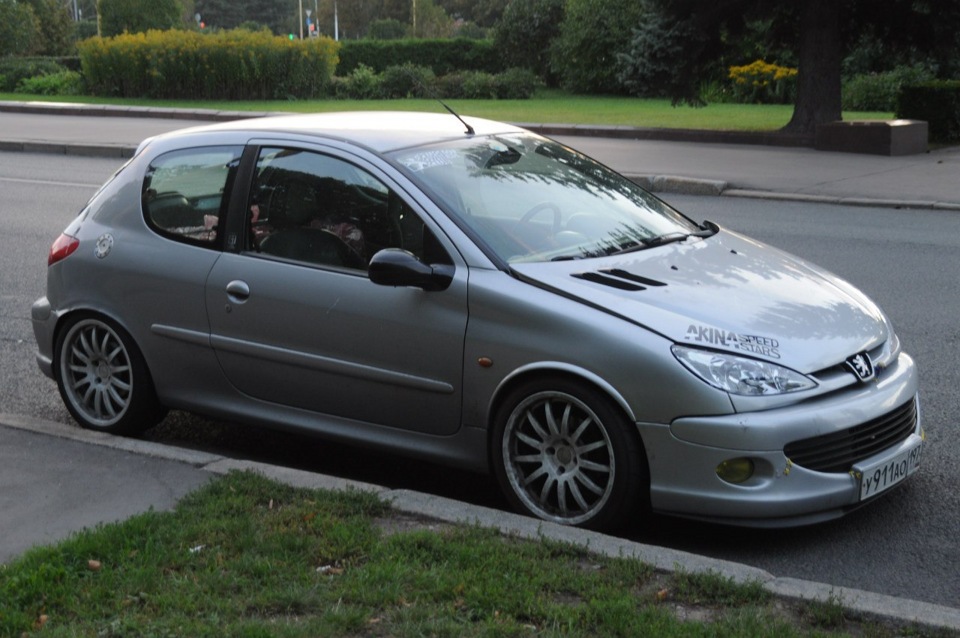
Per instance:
x=862, y=366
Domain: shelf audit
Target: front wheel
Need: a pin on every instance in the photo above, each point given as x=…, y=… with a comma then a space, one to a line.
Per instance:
x=103, y=379
x=563, y=452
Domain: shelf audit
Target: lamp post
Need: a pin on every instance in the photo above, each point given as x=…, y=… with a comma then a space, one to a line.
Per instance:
x=300, y=17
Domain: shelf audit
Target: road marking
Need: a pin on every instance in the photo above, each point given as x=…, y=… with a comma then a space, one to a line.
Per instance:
x=21, y=180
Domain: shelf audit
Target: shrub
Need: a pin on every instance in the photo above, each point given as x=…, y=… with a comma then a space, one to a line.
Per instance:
x=878, y=91
x=14, y=70
x=938, y=103
x=516, y=84
x=478, y=85
x=228, y=65
x=407, y=80
x=62, y=83
x=363, y=83
x=763, y=83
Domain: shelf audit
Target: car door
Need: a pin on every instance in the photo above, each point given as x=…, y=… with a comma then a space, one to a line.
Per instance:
x=296, y=321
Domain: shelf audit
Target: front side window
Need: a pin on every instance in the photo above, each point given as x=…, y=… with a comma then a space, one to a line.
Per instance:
x=183, y=192
x=530, y=199
x=316, y=209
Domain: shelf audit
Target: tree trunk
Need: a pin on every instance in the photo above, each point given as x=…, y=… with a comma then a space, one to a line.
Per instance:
x=818, y=79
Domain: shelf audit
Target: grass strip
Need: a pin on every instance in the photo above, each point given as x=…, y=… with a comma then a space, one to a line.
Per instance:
x=555, y=107
x=248, y=557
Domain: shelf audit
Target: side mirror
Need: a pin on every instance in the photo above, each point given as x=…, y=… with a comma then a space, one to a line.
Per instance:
x=397, y=267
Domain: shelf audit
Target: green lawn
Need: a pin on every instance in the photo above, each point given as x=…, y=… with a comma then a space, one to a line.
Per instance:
x=548, y=107
x=248, y=557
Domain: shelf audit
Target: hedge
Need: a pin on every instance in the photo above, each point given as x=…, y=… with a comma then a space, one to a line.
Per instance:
x=938, y=103
x=440, y=56
x=227, y=65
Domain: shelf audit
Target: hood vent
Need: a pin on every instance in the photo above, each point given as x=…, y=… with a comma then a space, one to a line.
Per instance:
x=619, y=279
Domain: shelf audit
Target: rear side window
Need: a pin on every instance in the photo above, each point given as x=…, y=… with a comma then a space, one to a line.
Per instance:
x=183, y=192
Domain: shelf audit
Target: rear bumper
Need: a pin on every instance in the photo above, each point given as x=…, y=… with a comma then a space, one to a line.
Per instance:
x=44, y=324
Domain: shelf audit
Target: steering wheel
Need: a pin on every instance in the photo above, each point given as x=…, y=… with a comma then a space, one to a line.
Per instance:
x=539, y=208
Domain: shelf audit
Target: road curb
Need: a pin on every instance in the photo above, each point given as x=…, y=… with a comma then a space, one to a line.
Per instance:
x=665, y=560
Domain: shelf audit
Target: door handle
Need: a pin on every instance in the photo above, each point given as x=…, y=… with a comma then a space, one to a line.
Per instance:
x=238, y=291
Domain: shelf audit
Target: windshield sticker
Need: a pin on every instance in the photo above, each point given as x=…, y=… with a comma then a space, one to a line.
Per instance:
x=428, y=159
x=754, y=344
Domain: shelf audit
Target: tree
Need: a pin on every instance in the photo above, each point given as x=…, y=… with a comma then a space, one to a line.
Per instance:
x=821, y=32
x=135, y=16
x=593, y=32
x=524, y=33
x=19, y=29
x=56, y=28
x=484, y=13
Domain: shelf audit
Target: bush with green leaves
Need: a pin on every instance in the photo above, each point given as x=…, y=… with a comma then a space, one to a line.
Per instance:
x=593, y=32
x=62, y=83
x=14, y=70
x=363, y=83
x=879, y=91
x=231, y=65
x=407, y=80
x=936, y=102
x=516, y=84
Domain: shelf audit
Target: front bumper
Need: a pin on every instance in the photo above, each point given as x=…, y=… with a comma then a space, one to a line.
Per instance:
x=683, y=456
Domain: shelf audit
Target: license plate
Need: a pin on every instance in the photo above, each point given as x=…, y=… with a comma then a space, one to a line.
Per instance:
x=879, y=477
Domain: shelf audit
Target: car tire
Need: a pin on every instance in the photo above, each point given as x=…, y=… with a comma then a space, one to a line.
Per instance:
x=564, y=452
x=103, y=378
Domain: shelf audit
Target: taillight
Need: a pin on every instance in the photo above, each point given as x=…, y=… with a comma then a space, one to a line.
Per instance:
x=62, y=248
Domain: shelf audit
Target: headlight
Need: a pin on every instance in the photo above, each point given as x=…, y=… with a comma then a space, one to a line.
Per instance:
x=740, y=375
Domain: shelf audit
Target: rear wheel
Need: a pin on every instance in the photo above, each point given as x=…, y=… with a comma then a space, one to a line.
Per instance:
x=563, y=452
x=103, y=379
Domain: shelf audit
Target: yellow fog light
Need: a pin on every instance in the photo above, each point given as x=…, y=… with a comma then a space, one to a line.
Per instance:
x=735, y=470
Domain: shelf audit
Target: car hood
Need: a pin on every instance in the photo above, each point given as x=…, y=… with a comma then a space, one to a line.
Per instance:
x=727, y=292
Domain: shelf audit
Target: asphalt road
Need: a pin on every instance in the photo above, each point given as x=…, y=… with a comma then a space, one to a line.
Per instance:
x=904, y=545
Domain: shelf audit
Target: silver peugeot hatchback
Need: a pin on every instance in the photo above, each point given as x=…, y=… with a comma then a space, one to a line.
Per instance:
x=464, y=291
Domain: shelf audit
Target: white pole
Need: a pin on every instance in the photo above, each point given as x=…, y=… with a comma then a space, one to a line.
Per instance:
x=300, y=18
x=336, y=22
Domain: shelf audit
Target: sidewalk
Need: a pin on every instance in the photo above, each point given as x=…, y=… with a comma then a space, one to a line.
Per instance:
x=773, y=172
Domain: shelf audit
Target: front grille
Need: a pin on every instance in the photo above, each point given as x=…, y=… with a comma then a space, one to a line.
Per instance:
x=839, y=451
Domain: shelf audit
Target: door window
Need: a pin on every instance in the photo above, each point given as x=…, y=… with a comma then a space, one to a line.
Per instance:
x=313, y=208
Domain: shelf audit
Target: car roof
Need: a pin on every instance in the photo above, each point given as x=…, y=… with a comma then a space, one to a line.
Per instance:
x=381, y=131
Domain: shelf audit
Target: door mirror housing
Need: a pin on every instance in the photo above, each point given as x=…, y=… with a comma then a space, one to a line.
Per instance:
x=398, y=267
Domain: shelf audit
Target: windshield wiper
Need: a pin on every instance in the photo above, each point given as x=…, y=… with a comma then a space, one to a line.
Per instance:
x=707, y=229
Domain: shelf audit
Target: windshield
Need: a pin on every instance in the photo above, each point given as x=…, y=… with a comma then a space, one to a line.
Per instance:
x=531, y=199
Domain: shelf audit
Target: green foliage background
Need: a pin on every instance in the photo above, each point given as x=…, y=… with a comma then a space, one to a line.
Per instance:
x=230, y=65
